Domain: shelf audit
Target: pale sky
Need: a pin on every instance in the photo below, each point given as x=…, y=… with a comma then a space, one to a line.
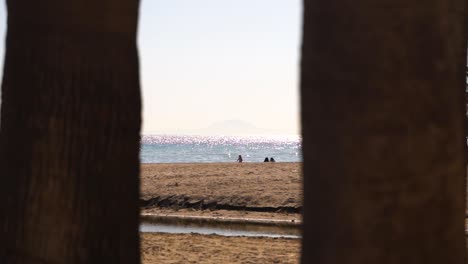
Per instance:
x=206, y=61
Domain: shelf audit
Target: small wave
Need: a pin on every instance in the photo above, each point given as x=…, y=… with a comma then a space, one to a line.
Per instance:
x=170, y=148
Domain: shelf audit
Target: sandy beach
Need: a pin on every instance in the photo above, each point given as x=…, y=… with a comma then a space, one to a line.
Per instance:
x=270, y=191
x=253, y=189
x=212, y=249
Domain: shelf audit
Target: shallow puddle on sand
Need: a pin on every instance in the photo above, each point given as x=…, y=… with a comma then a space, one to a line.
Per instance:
x=221, y=229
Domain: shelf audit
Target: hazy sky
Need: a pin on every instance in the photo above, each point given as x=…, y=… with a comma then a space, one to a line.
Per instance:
x=206, y=61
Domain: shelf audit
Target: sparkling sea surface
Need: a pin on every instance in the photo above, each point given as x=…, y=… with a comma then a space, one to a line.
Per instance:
x=190, y=149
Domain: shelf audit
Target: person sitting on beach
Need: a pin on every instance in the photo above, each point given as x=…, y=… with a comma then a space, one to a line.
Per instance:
x=266, y=159
x=272, y=159
x=239, y=159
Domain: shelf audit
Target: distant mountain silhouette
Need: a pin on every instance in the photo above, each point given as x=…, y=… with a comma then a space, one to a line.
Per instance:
x=235, y=127
x=226, y=127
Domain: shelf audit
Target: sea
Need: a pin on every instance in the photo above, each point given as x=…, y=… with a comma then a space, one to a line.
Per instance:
x=194, y=149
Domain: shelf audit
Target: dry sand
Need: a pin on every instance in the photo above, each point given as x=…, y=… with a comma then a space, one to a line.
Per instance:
x=212, y=249
x=248, y=184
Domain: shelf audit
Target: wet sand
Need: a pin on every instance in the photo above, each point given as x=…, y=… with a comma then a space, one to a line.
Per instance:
x=213, y=249
x=224, y=214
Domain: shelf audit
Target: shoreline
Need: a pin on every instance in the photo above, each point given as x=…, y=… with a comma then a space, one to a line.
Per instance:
x=219, y=162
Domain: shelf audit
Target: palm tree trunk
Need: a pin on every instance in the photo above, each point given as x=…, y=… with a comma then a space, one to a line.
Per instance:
x=69, y=136
x=382, y=88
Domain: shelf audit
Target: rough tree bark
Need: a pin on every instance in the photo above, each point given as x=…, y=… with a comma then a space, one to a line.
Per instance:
x=382, y=87
x=69, y=136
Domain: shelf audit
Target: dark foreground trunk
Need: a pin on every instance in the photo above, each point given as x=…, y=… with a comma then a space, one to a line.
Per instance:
x=69, y=139
x=383, y=109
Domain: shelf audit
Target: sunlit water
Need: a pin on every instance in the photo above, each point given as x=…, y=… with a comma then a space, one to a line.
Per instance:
x=222, y=230
x=186, y=149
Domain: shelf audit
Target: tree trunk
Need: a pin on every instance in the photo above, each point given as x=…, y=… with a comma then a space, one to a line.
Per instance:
x=382, y=88
x=69, y=136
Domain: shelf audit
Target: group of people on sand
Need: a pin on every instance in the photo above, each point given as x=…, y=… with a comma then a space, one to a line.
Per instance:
x=239, y=159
